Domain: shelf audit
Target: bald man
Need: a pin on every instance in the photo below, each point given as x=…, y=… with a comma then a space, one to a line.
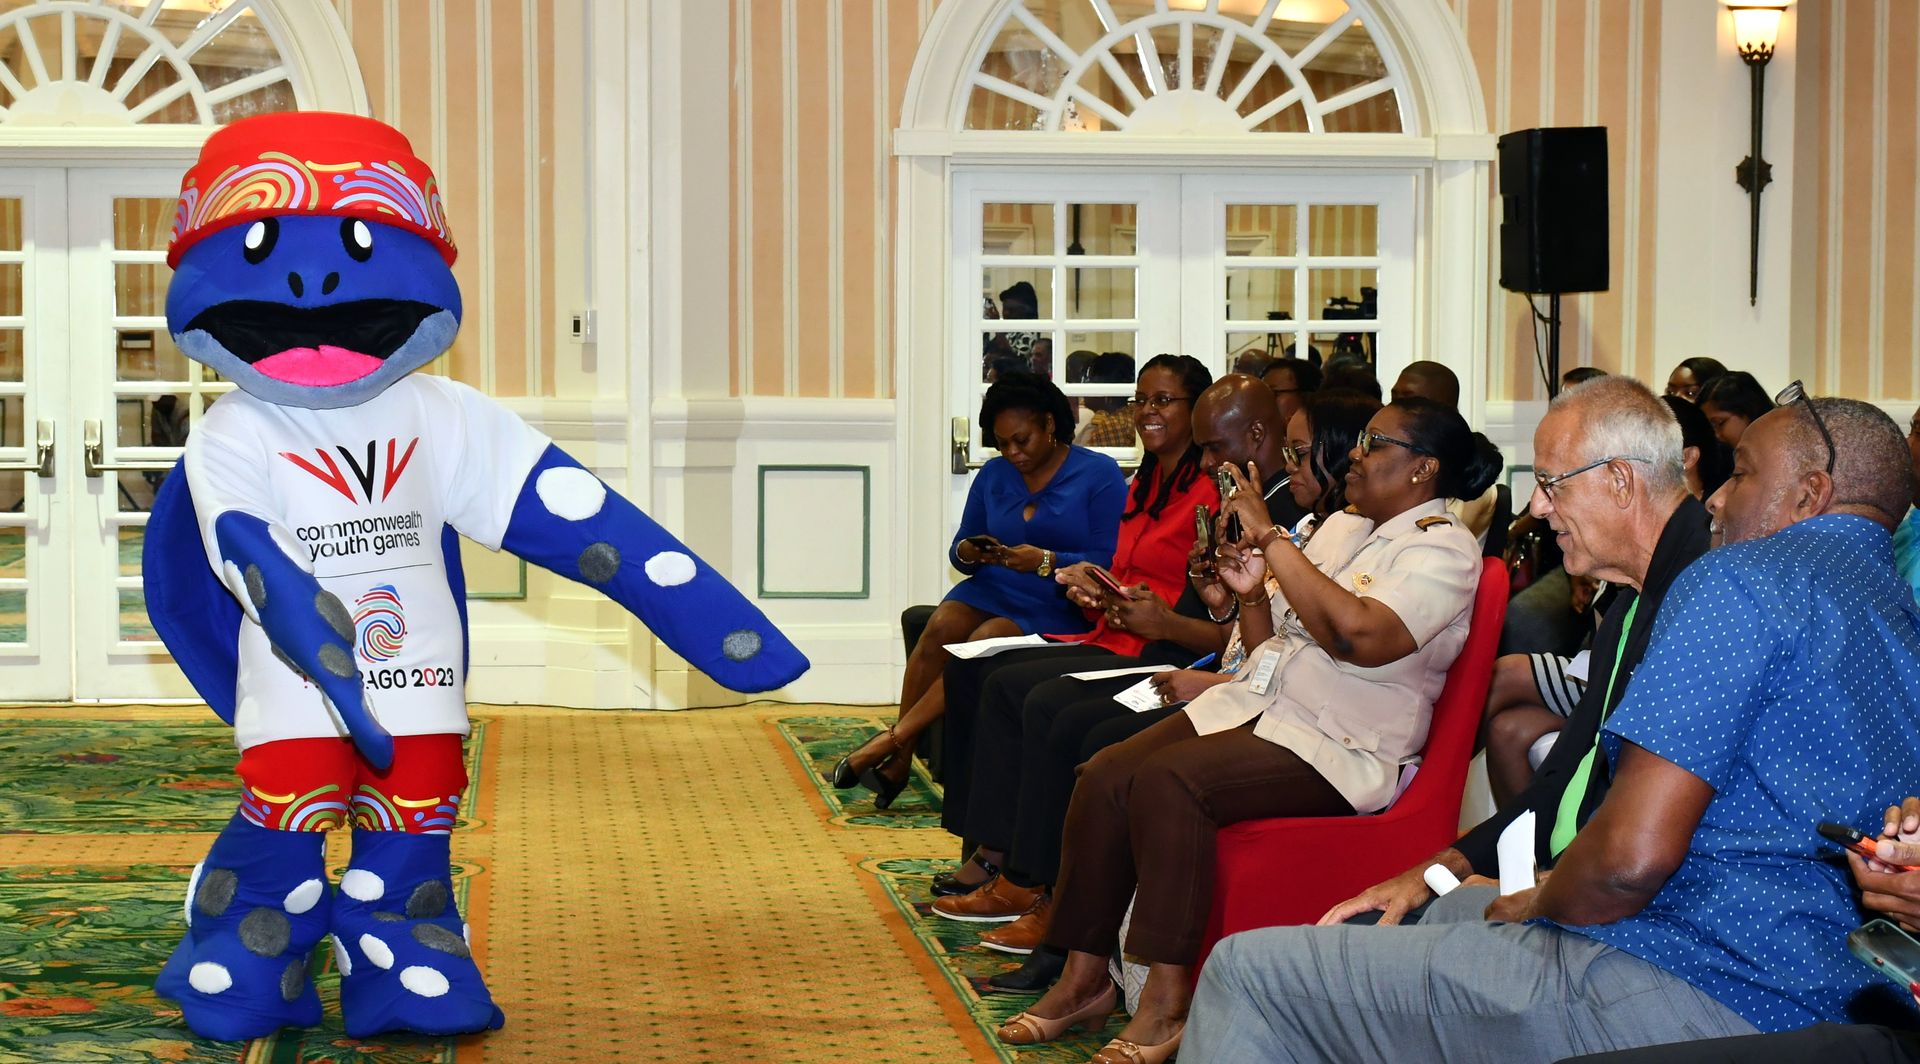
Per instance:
x=1428, y=380
x=1431, y=380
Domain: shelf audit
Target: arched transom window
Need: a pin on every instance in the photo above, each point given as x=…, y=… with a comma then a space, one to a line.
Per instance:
x=1209, y=67
x=141, y=62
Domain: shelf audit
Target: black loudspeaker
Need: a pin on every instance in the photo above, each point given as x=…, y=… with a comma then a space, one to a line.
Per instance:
x=1553, y=219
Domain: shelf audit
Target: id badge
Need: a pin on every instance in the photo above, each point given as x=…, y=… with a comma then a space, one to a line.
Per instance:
x=1262, y=677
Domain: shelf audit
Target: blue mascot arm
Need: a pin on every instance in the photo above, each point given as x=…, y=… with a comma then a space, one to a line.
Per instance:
x=567, y=521
x=308, y=626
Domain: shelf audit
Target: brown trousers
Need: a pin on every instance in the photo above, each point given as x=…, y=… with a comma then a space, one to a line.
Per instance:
x=1143, y=815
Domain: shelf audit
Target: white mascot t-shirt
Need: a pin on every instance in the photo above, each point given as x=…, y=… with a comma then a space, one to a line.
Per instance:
x=359, y=497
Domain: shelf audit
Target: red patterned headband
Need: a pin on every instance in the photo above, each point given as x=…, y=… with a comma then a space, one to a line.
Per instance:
x=308, y=162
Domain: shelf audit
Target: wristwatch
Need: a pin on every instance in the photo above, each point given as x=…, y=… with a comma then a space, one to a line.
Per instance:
x=1046, y=563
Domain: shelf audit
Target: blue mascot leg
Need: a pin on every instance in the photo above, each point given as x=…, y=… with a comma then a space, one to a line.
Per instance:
x=400, y=942
x=255, y=910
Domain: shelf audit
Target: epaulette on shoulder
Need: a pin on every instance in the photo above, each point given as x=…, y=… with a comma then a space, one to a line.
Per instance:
x=1435, y=521
x=1351, y=510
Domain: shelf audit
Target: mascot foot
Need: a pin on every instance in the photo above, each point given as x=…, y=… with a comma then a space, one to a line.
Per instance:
x=255, y=910
x=401, y=945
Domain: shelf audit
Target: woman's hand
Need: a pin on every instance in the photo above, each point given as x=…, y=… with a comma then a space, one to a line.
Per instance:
x=1021, y=559
x=1184, y=685
x=971, y=553
x=1248, y=503
x=1242, y=569
x=1082, y=590
x=1142, y=612
x=1203, y=573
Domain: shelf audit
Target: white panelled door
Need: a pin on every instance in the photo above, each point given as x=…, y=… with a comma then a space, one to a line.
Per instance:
x=1058, y=273
x=91, y=366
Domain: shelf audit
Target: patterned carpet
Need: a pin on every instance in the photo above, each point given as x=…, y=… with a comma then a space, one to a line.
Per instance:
x=642, y=887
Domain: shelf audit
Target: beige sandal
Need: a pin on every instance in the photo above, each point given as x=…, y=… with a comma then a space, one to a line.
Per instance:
x=1027, y=1029
x=1121, y=1051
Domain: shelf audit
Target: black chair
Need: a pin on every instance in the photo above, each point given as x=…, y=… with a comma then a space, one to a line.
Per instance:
x=913, y=621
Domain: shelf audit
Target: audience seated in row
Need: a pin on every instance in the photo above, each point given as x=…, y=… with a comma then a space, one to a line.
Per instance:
x=1780, y=688
x=1351, y=650
x=1038, y=725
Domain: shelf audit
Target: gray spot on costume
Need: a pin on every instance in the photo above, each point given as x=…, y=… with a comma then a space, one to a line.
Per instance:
x=335, y=660
x=433, y=936
x=334, y=612
x=256, y=587
x=265, y=932
x=216, y=891
x=740, y=644
x=390, y=918
x=293, y=980
x=428, y=900
x=599, y=562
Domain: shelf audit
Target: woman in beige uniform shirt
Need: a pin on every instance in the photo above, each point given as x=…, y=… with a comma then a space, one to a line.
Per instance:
x=1351, y=653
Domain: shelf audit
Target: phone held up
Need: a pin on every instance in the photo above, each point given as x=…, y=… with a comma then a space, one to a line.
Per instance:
x=1887, y=950
x=1203, y=534
x=1228, y=489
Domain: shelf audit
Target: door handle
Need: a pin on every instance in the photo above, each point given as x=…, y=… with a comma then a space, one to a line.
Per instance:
x=42, y=463
x=90, y=444
x=963, y=462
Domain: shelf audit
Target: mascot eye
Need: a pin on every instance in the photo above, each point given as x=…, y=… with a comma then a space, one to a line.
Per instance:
x=357, y=238
x=261, y=236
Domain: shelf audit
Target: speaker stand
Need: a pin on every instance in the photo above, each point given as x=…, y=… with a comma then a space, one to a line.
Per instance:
x=1553, y=344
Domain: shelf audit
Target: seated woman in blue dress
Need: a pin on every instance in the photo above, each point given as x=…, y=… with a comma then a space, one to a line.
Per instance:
x=1044, y=504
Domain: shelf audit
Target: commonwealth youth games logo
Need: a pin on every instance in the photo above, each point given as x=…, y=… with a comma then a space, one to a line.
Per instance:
x=379, y=623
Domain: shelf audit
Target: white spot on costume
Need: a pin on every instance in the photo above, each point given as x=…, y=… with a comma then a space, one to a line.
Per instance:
x=570, y=493
x=670, y=568
x=303, y=897
x=423, y=981
x=209, y=978
x=362, y=885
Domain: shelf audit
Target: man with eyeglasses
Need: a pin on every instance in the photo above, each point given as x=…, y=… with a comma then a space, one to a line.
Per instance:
x=1781, y=688
x=1619, y=506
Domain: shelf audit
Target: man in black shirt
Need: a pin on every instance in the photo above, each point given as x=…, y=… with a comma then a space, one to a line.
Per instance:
x=1611, y=484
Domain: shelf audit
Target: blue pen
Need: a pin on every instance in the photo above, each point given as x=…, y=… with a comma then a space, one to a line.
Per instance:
x=1203, y=662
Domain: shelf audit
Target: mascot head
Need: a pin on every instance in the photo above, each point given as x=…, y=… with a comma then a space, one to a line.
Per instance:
x=312, y=260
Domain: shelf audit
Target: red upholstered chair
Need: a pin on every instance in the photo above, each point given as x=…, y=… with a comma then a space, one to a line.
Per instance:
x=1291, y=870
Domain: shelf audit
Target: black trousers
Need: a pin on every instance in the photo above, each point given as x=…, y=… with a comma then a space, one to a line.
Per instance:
x=964, y=682
x=1033, y=730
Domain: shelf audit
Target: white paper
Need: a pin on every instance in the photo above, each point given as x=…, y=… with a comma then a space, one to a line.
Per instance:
x=1577, y=668
x=1263, y=672
x=1110, y=674
x=1440, y=879
x=986, y=648
x=1141, y=696
x=1516, y=855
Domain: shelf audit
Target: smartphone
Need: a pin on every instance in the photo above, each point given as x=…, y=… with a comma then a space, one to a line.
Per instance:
x=1887, y=950
x=1105, y=579
x=982, y=543
x=1224, y=481
x=1203, y=532
x=1864, y=845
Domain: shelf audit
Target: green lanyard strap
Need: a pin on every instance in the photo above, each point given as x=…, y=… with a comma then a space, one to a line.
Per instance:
x=1565, y=821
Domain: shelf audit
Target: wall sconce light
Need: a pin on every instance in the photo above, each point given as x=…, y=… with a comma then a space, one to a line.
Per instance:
x=1756, y=29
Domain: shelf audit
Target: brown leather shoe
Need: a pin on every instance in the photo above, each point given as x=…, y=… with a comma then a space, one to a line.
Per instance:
x=995, y=901
x=1024, y=935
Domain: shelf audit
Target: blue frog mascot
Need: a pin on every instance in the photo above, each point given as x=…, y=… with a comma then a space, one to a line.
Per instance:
x=302, y=567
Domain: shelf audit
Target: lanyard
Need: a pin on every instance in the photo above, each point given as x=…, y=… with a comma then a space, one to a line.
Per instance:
x=1564, y=826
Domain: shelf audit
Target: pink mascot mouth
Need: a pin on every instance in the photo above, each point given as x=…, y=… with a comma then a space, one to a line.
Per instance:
x=318, y=367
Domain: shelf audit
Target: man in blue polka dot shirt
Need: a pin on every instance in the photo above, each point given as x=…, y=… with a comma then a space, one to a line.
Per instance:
x=1781, y=689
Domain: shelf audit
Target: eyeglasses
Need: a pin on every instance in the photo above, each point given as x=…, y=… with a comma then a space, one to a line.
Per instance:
x=1157, y=402
x=1292, y=455
x=1368, y=439
x=1795, y=393
x=1548, y=484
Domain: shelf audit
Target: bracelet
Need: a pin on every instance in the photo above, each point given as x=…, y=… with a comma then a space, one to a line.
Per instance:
x=1253, y=603
x=1233, y=613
